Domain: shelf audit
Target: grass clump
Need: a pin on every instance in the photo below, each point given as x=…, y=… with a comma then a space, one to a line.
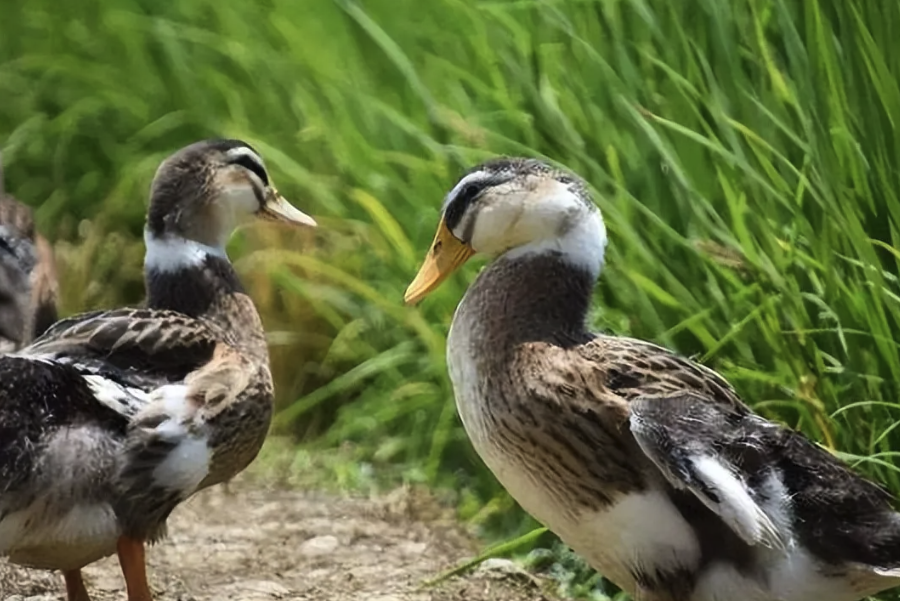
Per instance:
x=744, y=154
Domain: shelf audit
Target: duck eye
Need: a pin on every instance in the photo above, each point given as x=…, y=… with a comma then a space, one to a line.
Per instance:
x=248, y=163
x=469, y=192
x=462, y=201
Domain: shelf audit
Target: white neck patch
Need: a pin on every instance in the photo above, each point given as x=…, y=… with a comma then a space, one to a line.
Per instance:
x=172, y=253
x=583, y=245
x=540, y=218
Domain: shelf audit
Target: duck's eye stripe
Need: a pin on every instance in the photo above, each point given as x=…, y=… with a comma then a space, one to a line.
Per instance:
x=247, y=162
x=462, y=201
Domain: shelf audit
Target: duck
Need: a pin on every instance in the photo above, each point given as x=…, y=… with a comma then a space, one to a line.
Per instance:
x=29, y=289
x=646, y=463
x=110, y=419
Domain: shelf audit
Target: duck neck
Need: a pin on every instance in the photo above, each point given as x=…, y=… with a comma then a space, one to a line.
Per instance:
x=539, y=291
x=538, y=297
x=198, y=280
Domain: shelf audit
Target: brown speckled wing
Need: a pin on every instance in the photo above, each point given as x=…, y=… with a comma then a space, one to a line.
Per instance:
x=631, y=368
x=138, y=347
x=576, y=408
x=611, y=415
x=766, y=482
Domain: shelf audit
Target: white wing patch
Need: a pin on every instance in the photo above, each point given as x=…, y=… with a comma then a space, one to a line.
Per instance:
x=735, y=505
x=122, y=399
x=172, y=399
x=185, y=466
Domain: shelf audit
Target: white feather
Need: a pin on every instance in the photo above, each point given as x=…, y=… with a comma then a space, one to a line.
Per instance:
x=185, y=467
x=735, y=505
x=172, y=253
x=122, y=399
x=173, y=400
x=791, y=576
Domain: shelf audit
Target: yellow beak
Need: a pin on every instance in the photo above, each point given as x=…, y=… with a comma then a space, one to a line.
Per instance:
x=276, y=208
x=446, y=255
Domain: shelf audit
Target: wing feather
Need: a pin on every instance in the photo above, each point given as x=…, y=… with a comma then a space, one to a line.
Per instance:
x=141, y=348
x=769, y=484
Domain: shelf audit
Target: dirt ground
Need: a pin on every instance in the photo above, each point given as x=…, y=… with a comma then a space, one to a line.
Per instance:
x=254, y=542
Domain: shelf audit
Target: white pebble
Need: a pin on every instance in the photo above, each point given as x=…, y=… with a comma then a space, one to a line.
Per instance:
x=320, y=545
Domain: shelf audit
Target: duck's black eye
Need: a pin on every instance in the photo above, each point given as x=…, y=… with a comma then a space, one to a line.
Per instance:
x=248, y=162
x=460, y=203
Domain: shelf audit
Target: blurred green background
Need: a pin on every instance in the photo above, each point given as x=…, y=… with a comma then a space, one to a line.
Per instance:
x=745, y=155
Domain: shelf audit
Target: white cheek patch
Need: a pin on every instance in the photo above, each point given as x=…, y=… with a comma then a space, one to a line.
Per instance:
x=559, y=221
x=172, y=253
x=239, y=199
x=495, y=224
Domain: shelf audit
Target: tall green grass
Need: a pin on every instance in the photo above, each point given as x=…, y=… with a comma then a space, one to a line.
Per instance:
x=745, y=155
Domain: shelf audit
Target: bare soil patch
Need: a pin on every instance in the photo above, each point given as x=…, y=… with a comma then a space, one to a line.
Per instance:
x=256, y=542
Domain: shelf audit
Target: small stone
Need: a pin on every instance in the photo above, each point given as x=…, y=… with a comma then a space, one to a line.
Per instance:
x=497, y=567
x=267, y=587
x=255, y=590
x=319, y=545
x=498, y=564
x=411, y=549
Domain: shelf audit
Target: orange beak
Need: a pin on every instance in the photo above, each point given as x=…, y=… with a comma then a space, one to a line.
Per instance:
x=446, y=255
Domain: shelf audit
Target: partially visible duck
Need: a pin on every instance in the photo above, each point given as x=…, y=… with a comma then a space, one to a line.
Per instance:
x=110, y=419
x=646, y=463
x=28, y=285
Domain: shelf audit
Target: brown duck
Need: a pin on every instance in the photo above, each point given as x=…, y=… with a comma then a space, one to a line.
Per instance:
x=646, y=463
x=111, y=419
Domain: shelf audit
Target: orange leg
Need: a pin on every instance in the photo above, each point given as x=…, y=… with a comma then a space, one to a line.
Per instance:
x=134, y=568
x=75, y=590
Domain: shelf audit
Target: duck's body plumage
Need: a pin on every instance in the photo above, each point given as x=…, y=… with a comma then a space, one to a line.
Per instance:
x=110, y=419
x=646, y=463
